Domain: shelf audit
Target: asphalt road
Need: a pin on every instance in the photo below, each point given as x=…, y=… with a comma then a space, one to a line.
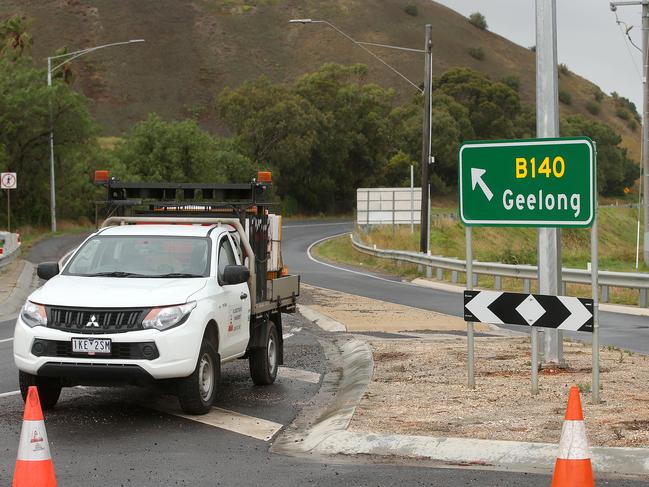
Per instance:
x=620, y=330
x=119, y=436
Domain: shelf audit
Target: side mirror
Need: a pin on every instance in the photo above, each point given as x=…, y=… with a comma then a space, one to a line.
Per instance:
x=235, y=274
x=47, y=270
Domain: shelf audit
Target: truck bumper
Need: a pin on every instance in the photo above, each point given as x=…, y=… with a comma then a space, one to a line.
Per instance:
x=175, y=347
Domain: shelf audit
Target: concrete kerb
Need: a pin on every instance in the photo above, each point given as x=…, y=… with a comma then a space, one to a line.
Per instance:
x=19, y=294
x=345, y=384
x=342, y=389
x=324, y=322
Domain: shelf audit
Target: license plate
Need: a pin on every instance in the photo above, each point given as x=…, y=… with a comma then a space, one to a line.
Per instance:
x=91, y=346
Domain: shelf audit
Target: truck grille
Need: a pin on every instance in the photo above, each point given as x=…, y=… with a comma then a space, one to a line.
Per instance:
x=95, y=321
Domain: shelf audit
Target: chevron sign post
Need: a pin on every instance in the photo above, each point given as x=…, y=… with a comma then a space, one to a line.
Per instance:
x=559, y=312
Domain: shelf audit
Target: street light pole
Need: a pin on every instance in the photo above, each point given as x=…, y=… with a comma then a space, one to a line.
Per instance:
x=424, y=236
x=426, y=158
x=66, y=58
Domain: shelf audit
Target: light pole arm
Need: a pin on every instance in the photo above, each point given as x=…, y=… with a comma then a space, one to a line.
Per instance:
x=360, y=44
x=76, y=54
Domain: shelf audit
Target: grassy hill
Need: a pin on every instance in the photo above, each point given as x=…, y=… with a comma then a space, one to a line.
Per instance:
x=194, y=48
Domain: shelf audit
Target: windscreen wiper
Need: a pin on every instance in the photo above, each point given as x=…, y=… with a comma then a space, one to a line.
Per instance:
x=178, y=274
x=115, y=274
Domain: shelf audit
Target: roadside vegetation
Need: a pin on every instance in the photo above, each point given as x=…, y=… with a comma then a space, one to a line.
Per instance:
x=617, y=247
x=323, y=135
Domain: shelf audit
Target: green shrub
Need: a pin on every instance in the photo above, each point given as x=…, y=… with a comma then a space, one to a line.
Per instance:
x=563, y=70
x=622, y=113
x=633, y=125
x=593, y=107
x=478, y=20
x=411, y=9
x=565, y=97
x=477, y=53
x=599, y=95
x=514, y=82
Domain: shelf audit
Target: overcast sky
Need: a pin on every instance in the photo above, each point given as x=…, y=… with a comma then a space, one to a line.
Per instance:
x=589, y=40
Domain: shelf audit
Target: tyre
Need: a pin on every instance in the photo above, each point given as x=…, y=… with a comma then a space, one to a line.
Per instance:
x=196, y=392
x=264, y=361
x=49, y=388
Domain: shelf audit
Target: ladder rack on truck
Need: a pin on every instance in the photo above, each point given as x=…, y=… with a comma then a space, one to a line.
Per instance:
x=244, y=207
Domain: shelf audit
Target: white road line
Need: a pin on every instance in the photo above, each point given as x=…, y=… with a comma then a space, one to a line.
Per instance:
x=291, y=332
x=298, y=374
x=7, y=394
x=316, y=225
x=258, y=428
x=6, y=340
x=308, y=252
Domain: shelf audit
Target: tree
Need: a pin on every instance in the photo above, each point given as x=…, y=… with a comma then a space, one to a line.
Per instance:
x=478, y=20
x=25, y=106
x=15, y=37
x=324, y=136
x=492, y=106
x=615, y=170
x=160, y=151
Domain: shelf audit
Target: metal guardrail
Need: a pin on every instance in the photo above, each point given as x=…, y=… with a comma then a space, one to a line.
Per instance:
x=10, y=248
x=527, y=273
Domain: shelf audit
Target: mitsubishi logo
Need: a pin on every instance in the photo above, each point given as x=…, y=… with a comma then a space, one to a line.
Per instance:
x=93, y=322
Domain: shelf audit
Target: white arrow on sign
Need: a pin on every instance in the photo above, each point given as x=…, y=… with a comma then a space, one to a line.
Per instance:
x=476, y=178
x=579, y=314
x=478, y=306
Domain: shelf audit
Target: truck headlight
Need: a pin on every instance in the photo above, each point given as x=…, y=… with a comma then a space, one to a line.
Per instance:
x=167, y=317
x=34, y=314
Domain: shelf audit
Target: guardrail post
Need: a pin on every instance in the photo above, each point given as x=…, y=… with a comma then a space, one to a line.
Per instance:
x=498, y=284
x=429, y=272
x=454, y=277
x=604, y=298
x=643, y=297
x=440, y=274
x=563, y=288
x=527, y=286
x=475, y=280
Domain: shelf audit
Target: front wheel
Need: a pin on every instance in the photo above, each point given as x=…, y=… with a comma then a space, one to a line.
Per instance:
x=49, y=388
x=196, y=393
x=264, y=361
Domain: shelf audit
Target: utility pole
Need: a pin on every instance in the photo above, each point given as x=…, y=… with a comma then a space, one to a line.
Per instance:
x=645, y=115
x=426, y=140
x=547, y=125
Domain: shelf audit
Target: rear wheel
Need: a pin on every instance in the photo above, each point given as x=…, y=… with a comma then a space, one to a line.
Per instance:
x=264, y=361
x=196, y=393
x=49, y=388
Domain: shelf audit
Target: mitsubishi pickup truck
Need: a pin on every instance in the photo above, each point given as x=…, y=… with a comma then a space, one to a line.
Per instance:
x=162, y=299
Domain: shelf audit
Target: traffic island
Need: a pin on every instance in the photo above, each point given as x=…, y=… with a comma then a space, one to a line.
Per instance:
x=419, y=388
x=415, y=403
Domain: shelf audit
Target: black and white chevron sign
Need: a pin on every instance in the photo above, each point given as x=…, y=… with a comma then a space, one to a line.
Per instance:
x=562, y=312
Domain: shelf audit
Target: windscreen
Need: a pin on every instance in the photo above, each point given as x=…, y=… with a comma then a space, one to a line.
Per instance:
x=142, y=256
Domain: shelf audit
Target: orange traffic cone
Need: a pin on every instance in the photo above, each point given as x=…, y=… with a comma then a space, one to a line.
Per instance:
x=573, y=467
x=34, y=466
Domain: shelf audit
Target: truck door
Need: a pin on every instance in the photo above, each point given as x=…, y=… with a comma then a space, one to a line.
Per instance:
x=235, y=332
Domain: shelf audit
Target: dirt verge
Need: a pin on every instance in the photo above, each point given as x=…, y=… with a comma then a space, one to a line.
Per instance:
x=419, y=385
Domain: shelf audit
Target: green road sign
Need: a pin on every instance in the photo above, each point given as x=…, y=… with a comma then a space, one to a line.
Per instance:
x=530, y=183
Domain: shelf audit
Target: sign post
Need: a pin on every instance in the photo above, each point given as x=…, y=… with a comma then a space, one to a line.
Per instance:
x=544, y=183
x=8, y=182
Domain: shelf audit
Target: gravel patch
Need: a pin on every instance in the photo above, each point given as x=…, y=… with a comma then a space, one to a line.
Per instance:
x=419, y=388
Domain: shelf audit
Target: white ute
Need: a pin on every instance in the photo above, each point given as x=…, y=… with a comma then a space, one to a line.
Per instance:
x=139, y=303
